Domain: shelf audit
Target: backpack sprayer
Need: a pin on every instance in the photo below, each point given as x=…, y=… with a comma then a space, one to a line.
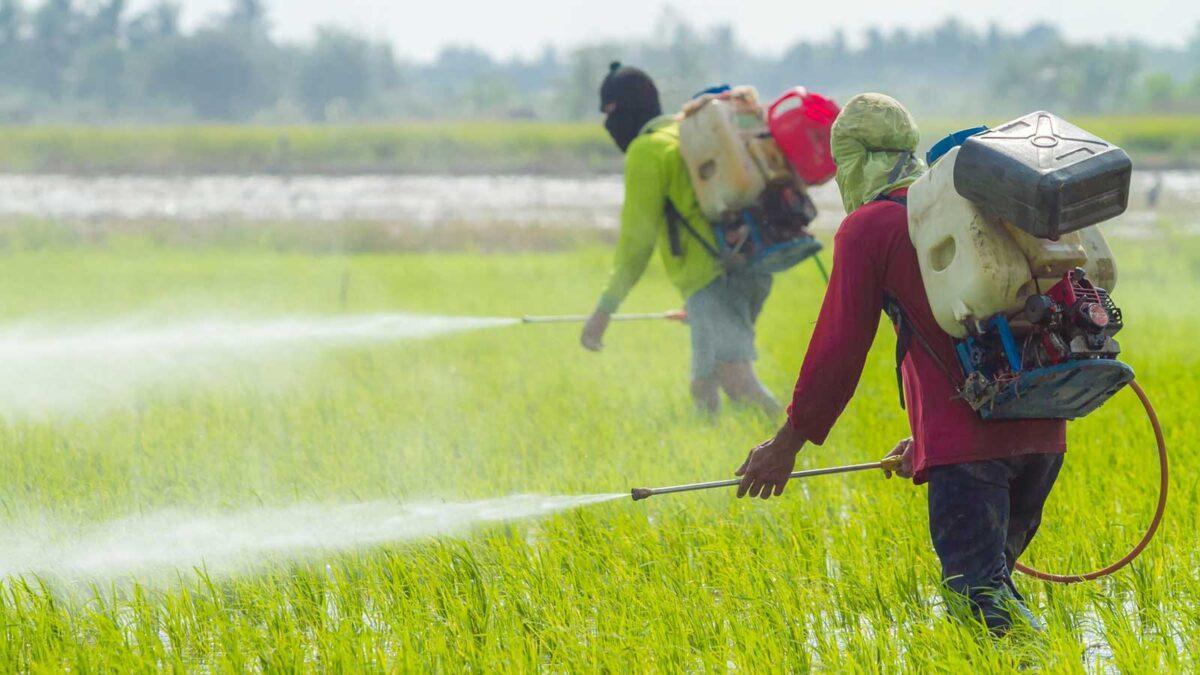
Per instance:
x=750, y=168
x=1016, y=272
x=1015, y=269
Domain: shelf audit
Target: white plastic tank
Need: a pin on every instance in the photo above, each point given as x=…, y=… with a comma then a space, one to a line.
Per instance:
x=1101, y=266
x=715, y=139
x=1049, y=260
x=770, y=159
x=971, y=267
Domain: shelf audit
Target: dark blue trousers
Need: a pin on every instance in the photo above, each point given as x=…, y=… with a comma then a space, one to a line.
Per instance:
x=982, y=515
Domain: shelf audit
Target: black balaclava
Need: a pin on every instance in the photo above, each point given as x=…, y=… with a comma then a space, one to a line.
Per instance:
x=636, y=100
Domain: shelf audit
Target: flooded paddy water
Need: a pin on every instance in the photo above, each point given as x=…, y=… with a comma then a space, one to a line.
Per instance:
x=424, y=201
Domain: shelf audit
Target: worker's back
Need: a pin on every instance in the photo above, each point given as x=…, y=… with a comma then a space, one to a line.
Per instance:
x=653, y=163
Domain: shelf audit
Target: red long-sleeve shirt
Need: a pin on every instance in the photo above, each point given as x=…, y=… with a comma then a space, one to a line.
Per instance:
x=873, y=255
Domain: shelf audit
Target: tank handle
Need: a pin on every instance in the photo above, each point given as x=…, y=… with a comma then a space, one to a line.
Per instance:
x=792, y=94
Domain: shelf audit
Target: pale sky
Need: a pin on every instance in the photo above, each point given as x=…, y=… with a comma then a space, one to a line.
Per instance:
x=419, y=28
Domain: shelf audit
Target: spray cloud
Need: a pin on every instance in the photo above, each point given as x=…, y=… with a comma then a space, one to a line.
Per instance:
x=155, y=545
x=65, y=370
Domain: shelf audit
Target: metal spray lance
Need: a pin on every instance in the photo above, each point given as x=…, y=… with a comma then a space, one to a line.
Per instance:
x=887, y=464
x=673, y=315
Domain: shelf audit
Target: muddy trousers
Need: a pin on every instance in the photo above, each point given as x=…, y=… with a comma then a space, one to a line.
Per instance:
x=982, y=515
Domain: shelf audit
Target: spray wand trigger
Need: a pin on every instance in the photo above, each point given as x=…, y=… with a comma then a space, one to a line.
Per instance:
x=891, y=464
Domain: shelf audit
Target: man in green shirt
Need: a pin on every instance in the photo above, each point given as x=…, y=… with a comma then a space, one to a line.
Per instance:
x=722, y=305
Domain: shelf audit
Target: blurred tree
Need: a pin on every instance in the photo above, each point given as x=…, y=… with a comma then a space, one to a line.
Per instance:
x=98, y=73
x=14, y=68
x=248, y=13
x=1192, y=93
x=580, y=90
x=56, y=30
x=1071, y=79
x=218, y=73
x=337, y=68
x=12, y=17
x=106, y=23
x=159, y=22
x=1158, y=89
x=68, y=59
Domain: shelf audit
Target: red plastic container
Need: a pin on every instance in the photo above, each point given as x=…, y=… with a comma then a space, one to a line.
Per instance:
x=801, y=122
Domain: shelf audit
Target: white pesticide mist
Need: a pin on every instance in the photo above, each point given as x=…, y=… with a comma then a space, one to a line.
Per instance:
x=156, y=546
x=52, y=371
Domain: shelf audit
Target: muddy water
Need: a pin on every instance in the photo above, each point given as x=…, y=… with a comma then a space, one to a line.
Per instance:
x=421, y=201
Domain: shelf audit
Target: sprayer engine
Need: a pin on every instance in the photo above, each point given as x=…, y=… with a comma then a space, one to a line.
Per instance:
x=1055, y=359
x=1074, y=320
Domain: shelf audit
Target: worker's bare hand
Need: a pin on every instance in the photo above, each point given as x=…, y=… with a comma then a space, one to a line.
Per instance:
x=903, y=450
x=768, y=466
x=593, y=331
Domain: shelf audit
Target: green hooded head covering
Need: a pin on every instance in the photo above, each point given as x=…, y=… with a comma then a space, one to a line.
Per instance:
x=874, y=141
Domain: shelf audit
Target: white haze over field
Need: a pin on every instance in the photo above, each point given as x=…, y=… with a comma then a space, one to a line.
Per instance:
x=408, y=201
x=152, y=547
x=54, y=371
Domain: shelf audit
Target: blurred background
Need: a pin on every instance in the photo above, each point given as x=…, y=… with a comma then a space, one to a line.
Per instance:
x=314, y=61
x=373, y=119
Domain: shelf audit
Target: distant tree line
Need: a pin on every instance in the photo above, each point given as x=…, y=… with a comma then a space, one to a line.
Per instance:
x=96, y=61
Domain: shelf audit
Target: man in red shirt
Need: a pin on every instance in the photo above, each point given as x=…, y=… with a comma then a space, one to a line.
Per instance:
x=988, y=480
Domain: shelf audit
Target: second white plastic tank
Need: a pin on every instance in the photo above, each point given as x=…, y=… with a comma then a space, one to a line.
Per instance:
x=713, y=140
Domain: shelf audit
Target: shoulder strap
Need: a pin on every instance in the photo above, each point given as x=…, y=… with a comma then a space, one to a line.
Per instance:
x=901, y=200
x=664, y=131
x=906, y=332
x=675, y=220
x=902, y=163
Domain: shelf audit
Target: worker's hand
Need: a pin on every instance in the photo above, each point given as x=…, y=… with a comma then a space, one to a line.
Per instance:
x=593, y=331
x=768, y=467
x=903, y=450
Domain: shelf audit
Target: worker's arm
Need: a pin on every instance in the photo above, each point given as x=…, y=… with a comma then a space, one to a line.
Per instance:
x=843, y=335
x=641, y=220
x=846, y=327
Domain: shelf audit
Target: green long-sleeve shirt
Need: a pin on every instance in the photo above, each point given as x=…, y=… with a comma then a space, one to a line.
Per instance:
x=654, y=171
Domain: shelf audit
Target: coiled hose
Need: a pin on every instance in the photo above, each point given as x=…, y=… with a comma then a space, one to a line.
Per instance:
x=1154, y=523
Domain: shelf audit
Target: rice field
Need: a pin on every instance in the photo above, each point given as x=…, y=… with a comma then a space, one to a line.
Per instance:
x=422, y=147
x=231, y=448
x=439, y=147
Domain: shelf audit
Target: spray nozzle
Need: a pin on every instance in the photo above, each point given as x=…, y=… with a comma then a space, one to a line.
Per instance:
x=641, y=493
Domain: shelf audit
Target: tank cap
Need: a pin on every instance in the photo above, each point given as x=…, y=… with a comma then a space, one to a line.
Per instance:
x=715, y=89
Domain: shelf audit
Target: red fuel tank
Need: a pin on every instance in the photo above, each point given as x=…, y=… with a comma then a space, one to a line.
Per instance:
x=801, y=121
